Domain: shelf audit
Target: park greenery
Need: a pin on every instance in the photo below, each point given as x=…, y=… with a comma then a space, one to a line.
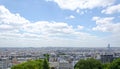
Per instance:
x=96, y=64
x=81, y=64
x=88, y=64
x=33, y=64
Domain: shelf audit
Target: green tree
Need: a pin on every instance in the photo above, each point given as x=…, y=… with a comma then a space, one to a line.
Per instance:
x=46, y=64
x=32, y=64
x=106, y=65
x=47, y=56
x=115, y=64
x=88, y=64
x=17, y=67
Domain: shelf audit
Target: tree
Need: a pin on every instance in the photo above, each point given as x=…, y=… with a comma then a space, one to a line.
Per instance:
x=88, y=64
x=106, y=65
x=46, y=64
x=47, y=56
x=32, y=64
x=115, y=64
x=17, y=67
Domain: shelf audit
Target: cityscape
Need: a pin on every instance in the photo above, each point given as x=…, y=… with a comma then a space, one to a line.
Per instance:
x=59, y=34
x=59, y=57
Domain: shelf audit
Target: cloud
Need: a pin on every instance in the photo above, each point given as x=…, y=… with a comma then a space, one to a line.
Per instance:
x=5, y=27
x=82, y=4
x=80, y=27
x=49, y=28
x=15, y=30
x=106, y=25
x=15, y=25
x=7, y=17
x=70, y=17
x=11, y=22
x=112, y=9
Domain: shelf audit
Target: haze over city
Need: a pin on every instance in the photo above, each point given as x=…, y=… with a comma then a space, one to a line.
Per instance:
x=59, y=23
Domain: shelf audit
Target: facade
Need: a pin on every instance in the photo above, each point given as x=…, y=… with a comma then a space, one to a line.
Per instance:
x=54, y=65
x=65, y=65
x=107, y=58
x=4, y=63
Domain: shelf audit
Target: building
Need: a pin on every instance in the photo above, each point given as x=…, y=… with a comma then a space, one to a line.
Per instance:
x=107, y=58
x=108, y=55
x=54, y=65
x=66, y=65
x=4, y=63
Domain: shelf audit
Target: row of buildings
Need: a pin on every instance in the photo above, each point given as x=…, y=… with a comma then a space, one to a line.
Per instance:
x=59, y=58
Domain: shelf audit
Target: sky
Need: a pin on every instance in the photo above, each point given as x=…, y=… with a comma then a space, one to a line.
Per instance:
x=59, y=23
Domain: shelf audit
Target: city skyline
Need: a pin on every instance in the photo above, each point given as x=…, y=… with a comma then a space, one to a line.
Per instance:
x=59, y=23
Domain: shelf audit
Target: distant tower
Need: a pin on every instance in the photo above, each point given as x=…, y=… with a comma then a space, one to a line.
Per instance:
x=108, y=46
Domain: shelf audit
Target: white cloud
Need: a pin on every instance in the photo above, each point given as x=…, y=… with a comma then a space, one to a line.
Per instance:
x=78, y=11
x=49, y=28
x=82, y=4
x=70, y=17
x=112, y=9
x=9, y=18
x=80, y=27
x=9, y=21
x=15, y=25
x=15, y=30
x=106, y=25
x=5, y=27
x=81, y=12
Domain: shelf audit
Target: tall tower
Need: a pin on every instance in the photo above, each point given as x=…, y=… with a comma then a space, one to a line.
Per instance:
x=108, y=46
x=109, y=49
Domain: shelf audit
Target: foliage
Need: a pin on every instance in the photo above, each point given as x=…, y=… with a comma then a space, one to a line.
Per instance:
x=46, y=64
x=115, y=64
x=32, y=64
x=95, y=64
x=88, y=64
x=47, y=56
x=82, y=64
x=106, y=65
